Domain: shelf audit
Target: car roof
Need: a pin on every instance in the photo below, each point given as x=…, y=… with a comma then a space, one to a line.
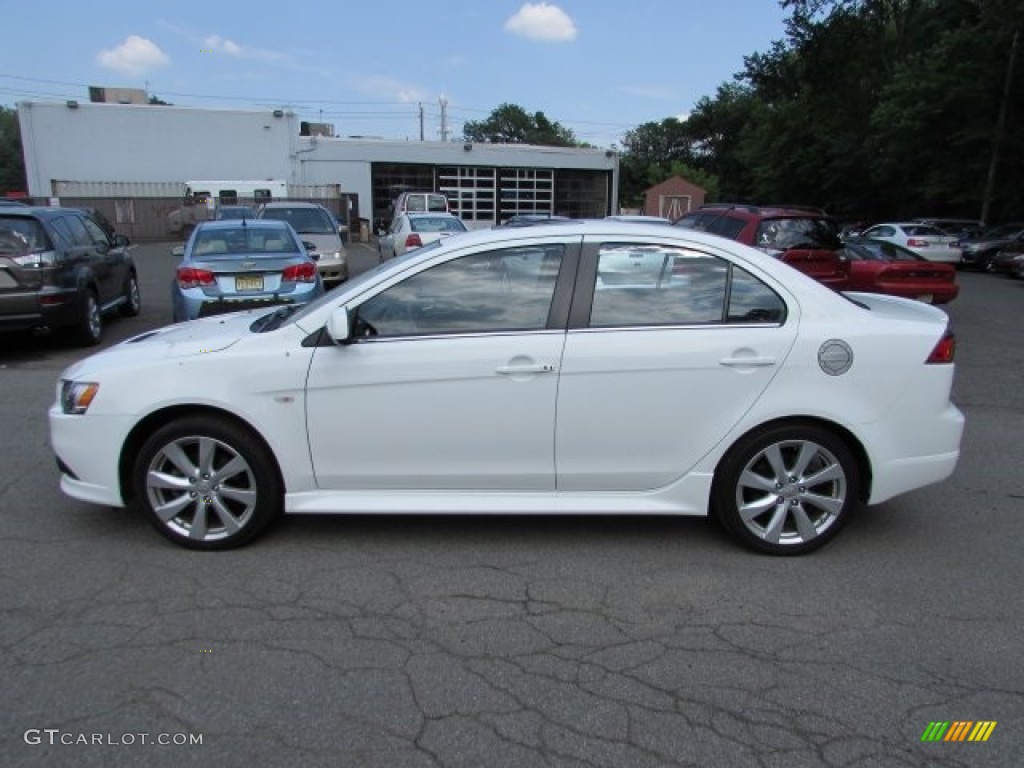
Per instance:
x=38, y=211
x=237, y=224
x=429, y=214
x=291, y=204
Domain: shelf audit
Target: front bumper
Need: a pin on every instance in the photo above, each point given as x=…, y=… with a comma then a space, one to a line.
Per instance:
x=88, y=450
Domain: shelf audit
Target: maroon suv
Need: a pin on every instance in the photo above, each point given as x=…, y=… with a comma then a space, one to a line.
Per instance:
x=805, y=238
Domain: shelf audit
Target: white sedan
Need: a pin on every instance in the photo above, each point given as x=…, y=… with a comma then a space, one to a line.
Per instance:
x=414, y=230
x=495, y=372
x=926, y=241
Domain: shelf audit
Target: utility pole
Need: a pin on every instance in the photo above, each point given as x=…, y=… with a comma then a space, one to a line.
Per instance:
x=997, y=143
x=443, y=101
x=421, y=120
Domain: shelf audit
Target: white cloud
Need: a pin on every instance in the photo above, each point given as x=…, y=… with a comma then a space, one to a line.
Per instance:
x=218, y=44
x=542, y=22
x=135, y=56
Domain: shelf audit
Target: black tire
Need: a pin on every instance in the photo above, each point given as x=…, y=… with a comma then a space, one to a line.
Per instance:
x=132, y=298
x=220, y=485
x=89, y=329
x=797, y=485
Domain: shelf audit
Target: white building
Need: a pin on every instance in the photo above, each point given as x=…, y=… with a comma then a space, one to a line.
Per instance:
x=152, y=147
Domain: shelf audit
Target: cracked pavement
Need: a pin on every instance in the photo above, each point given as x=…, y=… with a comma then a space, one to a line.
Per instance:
x=489, y=642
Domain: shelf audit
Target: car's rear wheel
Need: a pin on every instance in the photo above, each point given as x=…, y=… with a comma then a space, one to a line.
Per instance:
x=132, y=298
x=207, y=483
x=786, y=490
x=89, y=328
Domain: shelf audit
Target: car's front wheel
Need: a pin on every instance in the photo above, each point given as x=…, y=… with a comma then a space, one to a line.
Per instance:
x=786, y=490
x=207, y=483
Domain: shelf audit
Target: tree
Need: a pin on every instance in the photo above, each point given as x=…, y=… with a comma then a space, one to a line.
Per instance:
x=511, y=124
x=12, y=161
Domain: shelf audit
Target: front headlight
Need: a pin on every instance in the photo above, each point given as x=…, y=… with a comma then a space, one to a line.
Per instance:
x=77, y=396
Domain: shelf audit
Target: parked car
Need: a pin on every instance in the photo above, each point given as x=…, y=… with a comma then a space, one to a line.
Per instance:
x=317, y=226
x=879, y=266
x=414, y=230
x=925, y=240
x=234, y=265
x=961, y=229
x=1007, y=261
x=805, y=238
x=977, y=252
x=235, y=212
x=507, y=380
x=59, y=270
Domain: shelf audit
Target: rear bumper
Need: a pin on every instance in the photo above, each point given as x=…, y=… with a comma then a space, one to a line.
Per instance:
x=896, y=474
x=34, y=309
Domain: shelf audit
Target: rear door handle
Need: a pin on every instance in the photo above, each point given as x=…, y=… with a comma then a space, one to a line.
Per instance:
x=525, y=368
x=747, y=362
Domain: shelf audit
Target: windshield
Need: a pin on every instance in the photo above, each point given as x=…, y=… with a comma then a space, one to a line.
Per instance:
x=797, y=232
x=250, y=240
x=308, y=221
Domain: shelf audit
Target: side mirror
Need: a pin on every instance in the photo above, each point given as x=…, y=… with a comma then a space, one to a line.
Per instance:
x=178, y=250
x=308, y=245
x=121, y=241
x=339, y=326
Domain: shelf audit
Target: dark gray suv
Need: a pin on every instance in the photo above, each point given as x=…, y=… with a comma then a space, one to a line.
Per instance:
x=60, y=270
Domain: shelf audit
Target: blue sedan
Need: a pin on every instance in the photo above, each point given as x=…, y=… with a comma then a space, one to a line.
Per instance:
x=234, y=265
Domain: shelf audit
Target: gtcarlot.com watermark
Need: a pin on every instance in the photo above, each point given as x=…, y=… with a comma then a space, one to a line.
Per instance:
x=55, y=736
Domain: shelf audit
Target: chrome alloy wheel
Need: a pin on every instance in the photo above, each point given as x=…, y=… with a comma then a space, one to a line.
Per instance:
x=791, y=492
x=201, y=488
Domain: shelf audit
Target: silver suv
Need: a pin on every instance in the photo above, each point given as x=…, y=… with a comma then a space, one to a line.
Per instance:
x=316, y=227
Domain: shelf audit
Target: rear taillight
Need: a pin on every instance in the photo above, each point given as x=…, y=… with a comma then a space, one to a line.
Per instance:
x=413, y=241
x=190, y=277
x=300, y=273
x=913, y=242
x=944, y=351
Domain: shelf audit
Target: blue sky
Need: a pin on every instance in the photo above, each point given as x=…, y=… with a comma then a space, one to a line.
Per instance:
x=597, y=67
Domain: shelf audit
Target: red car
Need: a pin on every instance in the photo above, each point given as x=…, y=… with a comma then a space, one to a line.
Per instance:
x=805, y=238
x=877, y=266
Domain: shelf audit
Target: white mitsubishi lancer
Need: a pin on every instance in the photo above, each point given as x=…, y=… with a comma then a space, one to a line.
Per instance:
x=504, y=371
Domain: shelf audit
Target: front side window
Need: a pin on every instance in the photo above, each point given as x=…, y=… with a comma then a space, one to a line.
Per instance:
x=504, y=290
x=652, y=285
x=97, y=235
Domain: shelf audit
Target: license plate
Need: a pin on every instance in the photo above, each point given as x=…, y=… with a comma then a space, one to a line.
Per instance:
x=249, y=283
x=926, y=298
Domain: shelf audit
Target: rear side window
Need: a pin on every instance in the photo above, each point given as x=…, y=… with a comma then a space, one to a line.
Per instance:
x=650, y=285
x=726, y=226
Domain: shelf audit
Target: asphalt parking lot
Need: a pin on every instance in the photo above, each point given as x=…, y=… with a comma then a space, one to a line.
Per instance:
x=488, y=642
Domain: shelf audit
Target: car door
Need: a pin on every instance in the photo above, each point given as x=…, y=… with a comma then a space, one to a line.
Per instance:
x=108, y=262
x=451, y=381
x=656, y=371
x=388, y=249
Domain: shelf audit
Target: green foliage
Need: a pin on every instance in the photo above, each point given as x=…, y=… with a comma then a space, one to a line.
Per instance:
x=511, y=124
x=871, y=108
x=12, y=162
